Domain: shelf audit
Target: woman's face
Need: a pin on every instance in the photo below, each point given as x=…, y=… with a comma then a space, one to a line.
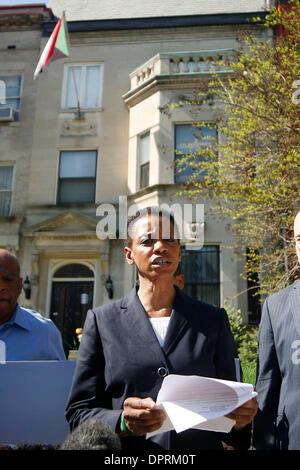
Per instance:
x=154, y=249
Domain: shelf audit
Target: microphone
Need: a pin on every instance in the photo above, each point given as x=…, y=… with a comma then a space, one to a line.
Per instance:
x=92, y=434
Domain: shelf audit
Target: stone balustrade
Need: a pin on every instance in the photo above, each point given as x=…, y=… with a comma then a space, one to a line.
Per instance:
x=172, y=63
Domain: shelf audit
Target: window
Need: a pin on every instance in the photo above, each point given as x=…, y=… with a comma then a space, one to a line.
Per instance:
x=6, y=181
x=10, y=97
x=74, y=270
x=201, y=269
x=187, y=140
x=83, y=83
x=77, y=176
x=144, y=159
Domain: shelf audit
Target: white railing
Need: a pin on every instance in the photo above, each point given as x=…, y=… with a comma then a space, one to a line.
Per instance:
x=171, y=63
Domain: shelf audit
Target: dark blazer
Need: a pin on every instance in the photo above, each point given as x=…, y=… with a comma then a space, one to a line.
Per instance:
x=120, y=357
x=277, y=423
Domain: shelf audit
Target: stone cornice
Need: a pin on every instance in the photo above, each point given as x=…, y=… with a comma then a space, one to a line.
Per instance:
x=24, y=17
x=165, y=82
x=49, y=226
x=159, y=189
x=120, y=24
x=86, y=235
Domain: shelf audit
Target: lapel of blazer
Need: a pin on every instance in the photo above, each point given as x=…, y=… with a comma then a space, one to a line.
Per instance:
x=178, y=322
x=139, y=323
x=296, y=304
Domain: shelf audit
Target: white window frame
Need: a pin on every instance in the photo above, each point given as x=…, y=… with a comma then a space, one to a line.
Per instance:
x=12, y=186
x=82, y=88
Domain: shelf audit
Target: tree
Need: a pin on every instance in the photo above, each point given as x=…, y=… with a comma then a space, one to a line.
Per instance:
x=252, y=174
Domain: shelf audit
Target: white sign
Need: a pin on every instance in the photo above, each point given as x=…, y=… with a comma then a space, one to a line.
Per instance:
x=33, y=398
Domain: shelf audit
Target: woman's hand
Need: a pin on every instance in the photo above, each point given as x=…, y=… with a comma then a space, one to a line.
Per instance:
x=244, y=414
x=141, y=415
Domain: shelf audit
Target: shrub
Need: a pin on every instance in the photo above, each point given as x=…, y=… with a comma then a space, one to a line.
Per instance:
x=245, y=340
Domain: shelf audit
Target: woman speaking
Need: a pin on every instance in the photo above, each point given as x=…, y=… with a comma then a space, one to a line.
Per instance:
x=130, y=345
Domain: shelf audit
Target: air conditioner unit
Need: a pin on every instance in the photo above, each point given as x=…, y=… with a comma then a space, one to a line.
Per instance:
x=7, y=114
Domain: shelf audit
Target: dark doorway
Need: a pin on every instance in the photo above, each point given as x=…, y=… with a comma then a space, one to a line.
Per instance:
x=70, y=301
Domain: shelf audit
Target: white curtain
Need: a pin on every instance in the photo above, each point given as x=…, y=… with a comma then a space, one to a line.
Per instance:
x=74, y=77
x=92, y=87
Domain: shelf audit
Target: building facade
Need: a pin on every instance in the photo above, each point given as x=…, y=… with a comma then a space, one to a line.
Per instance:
x=89, y=134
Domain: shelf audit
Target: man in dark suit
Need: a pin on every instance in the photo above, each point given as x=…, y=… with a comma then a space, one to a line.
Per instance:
x=277, y=423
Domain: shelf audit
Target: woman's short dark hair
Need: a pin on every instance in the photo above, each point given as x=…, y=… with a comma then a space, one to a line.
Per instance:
x=150, y=210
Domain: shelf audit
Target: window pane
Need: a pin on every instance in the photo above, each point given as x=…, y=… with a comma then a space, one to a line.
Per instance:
x=12, y=85
x=209, y=294
x=13, y=103
x=144, y=176
x=92, y=87
x=5, y=198
x=6, y=175
x=74, y=270
x=201, y=271
x=187, y=140
x=144, y=148
x=12, y=92
x=74, y=73
x=76, y=190
x=6, y=178
x=77, y=164
x=144, y=158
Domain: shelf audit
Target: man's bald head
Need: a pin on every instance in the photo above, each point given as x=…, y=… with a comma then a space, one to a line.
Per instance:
x=8, y=257
x=297, y=234
x=10, y=284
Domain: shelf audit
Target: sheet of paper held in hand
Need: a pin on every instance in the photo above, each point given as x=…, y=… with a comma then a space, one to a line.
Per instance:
x=200, y=402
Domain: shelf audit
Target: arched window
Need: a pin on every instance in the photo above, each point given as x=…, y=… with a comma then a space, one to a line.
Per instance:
x=74, y=270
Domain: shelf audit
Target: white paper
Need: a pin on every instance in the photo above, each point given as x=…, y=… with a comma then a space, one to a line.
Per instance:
x=200, y=402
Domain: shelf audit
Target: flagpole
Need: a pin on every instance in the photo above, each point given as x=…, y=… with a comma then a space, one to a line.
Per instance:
x=79, y=114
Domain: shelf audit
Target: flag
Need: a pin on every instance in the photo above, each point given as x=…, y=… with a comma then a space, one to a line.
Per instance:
x=56, y=47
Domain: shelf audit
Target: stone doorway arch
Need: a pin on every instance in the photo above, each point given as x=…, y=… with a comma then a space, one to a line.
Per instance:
x=72, y=293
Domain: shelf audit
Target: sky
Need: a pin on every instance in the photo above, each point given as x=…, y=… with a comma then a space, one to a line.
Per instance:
x=21, y=2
